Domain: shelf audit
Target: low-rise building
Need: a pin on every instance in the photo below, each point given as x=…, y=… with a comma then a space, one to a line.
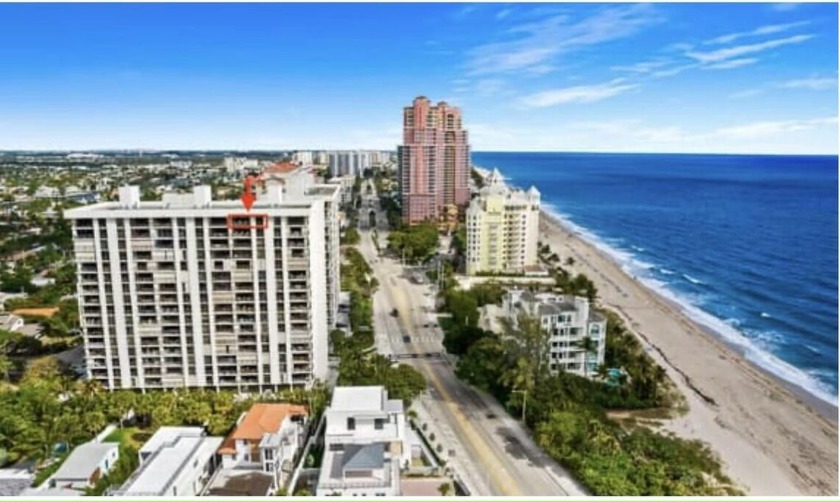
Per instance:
x=10, y=322
x=346, y=183
x=266, y=439
x=502, y=229
x=365, y=443
x=175, y=461
x=569, y=322
x=85, y=465
x=241, y=483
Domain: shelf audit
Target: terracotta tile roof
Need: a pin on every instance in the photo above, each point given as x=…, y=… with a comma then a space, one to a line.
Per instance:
x=261, y=418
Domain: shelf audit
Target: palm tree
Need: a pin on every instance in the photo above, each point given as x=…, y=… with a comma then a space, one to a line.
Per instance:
x=602, y=372
x=89, y=388
x=587, y=344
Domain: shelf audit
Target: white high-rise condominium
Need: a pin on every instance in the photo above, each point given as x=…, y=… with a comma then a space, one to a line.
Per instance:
x=502, y=228
x=192, y=292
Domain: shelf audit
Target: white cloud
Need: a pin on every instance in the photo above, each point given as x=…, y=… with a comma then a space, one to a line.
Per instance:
x=503, y=14
x=748, y=93
x=784, y=7
x=762, y=30
x=741, y=50
x=643, y=67
x=773, y=128
x=386, y=135
x=634, y=129
x=730, y=64
x=813, y=84
x=800, y=136
x=576, y=94
x=464, y=11
x=676, y=70
x=538, y=43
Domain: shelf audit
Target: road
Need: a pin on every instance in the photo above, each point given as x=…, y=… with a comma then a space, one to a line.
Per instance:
x=492, y=450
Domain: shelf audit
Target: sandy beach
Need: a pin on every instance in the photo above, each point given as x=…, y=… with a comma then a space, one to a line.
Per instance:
x=772, y=440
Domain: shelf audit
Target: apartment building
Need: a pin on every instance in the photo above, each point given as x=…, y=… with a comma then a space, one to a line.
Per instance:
x=192, y=292
x=298, y=183
x=346, y=183
x=434, y=161
x=502, y=228
x=568, y=320
x=365, y=444
x=174, y=462
x=349, y=163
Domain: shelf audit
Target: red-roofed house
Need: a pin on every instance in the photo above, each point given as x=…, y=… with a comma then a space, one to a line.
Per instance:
x=266, y=438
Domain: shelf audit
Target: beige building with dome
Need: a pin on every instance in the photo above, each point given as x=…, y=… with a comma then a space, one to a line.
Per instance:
x=502, y=228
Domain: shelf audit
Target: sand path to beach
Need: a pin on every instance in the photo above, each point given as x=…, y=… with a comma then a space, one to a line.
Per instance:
x=772, y=441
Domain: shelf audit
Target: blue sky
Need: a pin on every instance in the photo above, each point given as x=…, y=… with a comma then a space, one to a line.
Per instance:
x=744, y=78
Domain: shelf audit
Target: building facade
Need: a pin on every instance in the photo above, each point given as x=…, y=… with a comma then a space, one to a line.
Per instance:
x=434, y=161
x=365, y=444
x=192, y=292
x=297, y=183
x=174, y=462
x=349, y=163
x=502, y=229
x=266, y=439
x=85, y=465
x=568, y=320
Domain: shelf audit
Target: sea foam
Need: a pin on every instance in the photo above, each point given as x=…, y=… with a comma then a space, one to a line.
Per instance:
x=751, y=350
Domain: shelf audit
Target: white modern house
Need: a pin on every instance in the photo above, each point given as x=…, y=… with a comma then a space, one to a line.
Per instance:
x=85, y=465
x=568, y=320
x=365, y=444
x=266, y=440
x=174, y=462
x=195, y=292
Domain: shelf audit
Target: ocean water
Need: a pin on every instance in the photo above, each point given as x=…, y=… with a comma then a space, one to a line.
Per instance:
x=747, y=245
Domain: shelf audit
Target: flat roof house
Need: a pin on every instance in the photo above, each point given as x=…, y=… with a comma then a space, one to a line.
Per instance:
x=85, y=466
x=365, y=444
x=176, y=461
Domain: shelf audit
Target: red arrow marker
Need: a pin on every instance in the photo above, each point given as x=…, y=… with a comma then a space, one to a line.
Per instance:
x=248, y=200
x=248, y=197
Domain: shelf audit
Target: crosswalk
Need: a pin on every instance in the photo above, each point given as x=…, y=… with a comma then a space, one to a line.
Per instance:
x=415, y=339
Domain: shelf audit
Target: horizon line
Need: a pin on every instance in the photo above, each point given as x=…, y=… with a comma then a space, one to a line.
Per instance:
x=293, y=150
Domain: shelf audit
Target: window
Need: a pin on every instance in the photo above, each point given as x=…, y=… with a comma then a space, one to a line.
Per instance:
x=379, y=424
x=351, y=424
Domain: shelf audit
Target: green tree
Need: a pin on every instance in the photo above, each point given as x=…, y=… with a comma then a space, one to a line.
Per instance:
x=417, y=243
x=527, y=347
x=6, y=366
x=351, y=237
x=588, y=345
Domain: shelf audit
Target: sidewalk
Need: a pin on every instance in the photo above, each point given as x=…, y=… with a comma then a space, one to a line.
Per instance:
x=459, y=462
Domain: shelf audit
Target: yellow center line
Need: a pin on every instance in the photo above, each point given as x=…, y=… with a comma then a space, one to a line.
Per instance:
x=474, y=439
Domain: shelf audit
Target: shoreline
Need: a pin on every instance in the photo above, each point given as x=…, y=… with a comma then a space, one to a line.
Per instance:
x=774, y=437
x=825, y=408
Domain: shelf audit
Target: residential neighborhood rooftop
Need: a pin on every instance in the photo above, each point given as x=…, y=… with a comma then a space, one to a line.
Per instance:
x=261, y=419
x=362, y=398
x=83, y=460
